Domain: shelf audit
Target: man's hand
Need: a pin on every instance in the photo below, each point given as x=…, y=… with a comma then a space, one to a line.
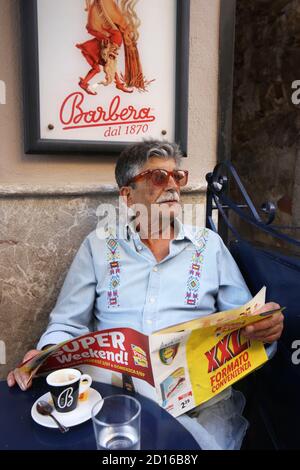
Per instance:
x=21, y=378
x=268, y=330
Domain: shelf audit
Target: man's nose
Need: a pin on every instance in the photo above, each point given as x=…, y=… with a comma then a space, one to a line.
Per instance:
x=172, y=184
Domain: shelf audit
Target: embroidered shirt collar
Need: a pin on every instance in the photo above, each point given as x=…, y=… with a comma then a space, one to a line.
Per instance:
x=183, y=231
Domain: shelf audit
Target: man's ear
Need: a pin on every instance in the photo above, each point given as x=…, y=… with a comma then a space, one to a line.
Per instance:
x=126, y=194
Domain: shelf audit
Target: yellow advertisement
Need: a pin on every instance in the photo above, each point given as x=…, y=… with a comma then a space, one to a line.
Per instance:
x=196, y=360
x=215, y=361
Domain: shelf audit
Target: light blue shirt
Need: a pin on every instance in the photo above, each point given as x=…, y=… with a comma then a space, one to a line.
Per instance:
x=117, y=282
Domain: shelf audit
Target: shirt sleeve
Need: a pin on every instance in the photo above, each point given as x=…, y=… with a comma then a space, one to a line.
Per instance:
x=72, y=315
x=233, y=291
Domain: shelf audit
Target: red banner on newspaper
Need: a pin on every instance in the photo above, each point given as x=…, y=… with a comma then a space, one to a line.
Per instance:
x=119, y=349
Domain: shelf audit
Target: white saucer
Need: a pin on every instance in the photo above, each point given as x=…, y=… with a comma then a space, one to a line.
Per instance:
x=81, y=414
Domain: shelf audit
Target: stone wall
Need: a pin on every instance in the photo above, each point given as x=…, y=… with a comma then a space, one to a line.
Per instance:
x=38, y=240
x=266, y=124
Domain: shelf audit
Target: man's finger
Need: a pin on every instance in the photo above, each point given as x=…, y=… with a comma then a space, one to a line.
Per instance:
x=18, y=376
x=261, y=325
x=21, y=379
x=268, y=307
x=271, y=339
x=30, y=354
x=262, y=335
x=11, y=379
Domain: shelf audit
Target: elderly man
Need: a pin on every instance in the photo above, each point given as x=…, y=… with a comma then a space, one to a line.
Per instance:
x=142, y=277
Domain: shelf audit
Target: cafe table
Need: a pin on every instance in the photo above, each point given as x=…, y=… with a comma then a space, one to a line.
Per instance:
x=18, y=431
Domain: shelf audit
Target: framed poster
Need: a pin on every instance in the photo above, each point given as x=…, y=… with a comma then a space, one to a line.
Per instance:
x=99, y=74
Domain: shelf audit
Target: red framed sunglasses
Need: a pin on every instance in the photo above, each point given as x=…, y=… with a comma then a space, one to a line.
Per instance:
x=160, y=177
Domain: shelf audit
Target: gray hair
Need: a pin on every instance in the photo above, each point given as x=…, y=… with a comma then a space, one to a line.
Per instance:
x=134, y=157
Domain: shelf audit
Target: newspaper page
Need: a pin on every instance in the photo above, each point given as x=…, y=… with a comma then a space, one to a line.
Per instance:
x=180, y=367
x=196, y=360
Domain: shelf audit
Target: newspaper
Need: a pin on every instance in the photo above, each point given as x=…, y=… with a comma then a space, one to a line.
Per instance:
x=180, y=367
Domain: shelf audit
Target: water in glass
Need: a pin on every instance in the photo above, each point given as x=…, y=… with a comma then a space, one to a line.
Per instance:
x=123, y=437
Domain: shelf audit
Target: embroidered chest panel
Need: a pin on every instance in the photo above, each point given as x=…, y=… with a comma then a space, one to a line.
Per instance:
x=194, y=275
x=113, y=259
x=194, y=272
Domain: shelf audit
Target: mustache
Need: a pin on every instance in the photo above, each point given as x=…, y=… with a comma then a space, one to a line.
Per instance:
x=168, y=197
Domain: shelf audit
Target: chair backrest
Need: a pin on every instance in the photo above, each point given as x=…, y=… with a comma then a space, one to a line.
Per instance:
x=281, y=275
x=276, y=386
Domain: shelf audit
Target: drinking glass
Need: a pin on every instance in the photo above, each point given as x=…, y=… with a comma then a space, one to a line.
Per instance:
x=117, y=423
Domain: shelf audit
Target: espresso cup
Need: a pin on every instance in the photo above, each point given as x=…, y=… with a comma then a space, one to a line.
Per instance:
x=65, y=386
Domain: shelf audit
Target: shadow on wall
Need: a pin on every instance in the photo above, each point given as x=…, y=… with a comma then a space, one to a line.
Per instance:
x=266, y=123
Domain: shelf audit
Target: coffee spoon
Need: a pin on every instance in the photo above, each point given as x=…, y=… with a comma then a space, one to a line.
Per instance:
x=45, y=409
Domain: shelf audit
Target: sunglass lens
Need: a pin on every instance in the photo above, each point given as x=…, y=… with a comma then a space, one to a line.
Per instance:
x=160, y=177
x=180, y=177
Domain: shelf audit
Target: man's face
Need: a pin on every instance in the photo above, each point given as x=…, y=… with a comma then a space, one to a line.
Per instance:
x=163, y=201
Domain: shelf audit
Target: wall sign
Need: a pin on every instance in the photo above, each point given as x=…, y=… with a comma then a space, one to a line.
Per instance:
x=102, y=73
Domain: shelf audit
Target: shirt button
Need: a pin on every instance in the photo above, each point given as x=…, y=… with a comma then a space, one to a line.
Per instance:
x=155, y=269
x=140, y=248
x=149, y=322
x=152, y=300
